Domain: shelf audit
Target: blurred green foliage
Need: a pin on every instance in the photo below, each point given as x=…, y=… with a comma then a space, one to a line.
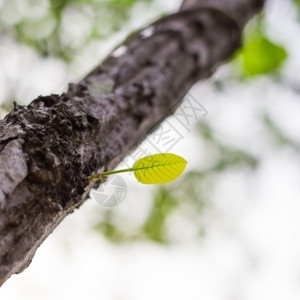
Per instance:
x=297, y=3
x=277, y=135
x=260, y=55
x=62, y=28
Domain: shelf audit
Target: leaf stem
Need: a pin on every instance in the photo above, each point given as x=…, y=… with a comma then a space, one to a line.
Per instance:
x=105, y=174
x=116, y=171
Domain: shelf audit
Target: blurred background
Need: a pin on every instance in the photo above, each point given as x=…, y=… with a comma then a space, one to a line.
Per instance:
x=228, y=228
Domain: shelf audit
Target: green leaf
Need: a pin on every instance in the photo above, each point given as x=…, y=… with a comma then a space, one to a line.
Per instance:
x=152, y=169
x=261, y=56
x=159, y=168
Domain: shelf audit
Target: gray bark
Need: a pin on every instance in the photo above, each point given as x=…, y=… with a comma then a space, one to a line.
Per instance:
x=48, y=148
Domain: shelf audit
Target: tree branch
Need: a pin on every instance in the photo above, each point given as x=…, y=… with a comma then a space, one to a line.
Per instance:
x=48, y=148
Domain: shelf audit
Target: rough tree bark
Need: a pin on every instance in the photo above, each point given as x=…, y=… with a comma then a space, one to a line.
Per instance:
x=48, y=148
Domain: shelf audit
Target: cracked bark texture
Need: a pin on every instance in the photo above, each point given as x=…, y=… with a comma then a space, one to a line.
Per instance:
x=48, y=148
